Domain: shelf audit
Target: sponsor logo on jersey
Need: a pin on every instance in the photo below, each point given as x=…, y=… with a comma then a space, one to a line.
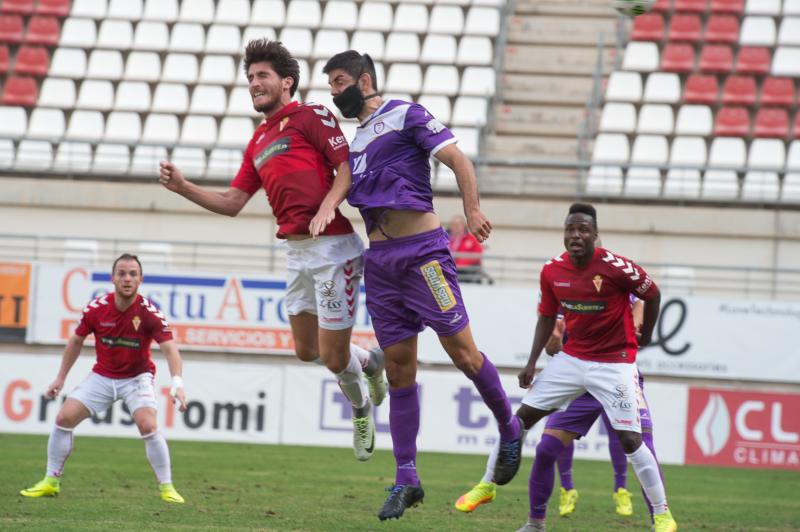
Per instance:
x=337, y=142
x=115, y=341
x=136, y=322
x=360, y=164
x=563, y=284
x=276, y=147
x=597, y=280
x=432, y=272
x=434, y=126
x=108, y=324
x=584, y=307
x=645, y=286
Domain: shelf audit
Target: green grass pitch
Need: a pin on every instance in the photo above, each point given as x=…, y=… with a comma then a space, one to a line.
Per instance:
x=108, y=485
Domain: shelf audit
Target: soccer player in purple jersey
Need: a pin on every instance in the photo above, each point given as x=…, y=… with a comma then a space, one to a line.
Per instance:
x=410, y=275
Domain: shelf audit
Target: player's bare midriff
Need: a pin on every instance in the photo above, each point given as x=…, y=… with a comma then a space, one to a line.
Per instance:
x=298, y=237
x=400, y=223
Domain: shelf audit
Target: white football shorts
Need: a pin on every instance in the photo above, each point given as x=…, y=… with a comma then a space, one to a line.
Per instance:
x=614, y=385
x=324, y=278
x=97, y=392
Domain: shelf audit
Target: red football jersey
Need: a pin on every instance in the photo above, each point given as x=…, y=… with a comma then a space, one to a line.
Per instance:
x=596, y=304
x=122, y=339
x=293, y=155
x=466, y=244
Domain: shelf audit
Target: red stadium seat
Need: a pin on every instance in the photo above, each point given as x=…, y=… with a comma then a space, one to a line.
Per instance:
x=55, y=8
x=685, y=28
x=772, y=122
x=10, y=28
x=691, y=6
x=662, y=6
x=733, y=7
x=716, y=58
x=20, y=91
x=649, y=27
x=732, y=122
x=722, y=29
x=32, y=60
x=43, y=30
x=4, y=58
x=739, y=90
x=19, y=7
x=753, y=60
x=796, y=130
x=701, y=89
x=778, y=91
x=677, y=57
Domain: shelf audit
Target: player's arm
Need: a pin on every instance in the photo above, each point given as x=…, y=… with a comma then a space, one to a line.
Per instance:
x=652, y=306
x=229, y=202
x=173, y=356
x=556, y=341
x=637, y=308
x=544, y=329
x=71, y=353
x=462, y=167
x=334, y=198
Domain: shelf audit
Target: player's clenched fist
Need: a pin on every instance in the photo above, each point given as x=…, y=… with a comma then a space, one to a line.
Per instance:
x=170, y=176
x=526, y=376
x=54, y=389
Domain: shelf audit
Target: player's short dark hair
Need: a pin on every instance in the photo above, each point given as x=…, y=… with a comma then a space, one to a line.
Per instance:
x=126, y=256
x=354, y=64
x=273, y=52
x=584, y=208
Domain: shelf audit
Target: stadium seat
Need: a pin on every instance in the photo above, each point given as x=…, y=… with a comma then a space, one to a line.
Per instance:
x=34, y=155
x=223, y=39
x=123, y=126
x=78, y=32
x=771, y=8
x=404, y=78
x=298, y=40
x=789, y=34
x=624, y=87
x=694, y=120
x=377, y=16
x=151, y=35
x=760, y=186
x=199, y=11
x=235, y=132
x=111, y=159
x=11, y=29
x=96, y=94
x=662, y=6
x=192, y=161
x=732, y=122
x=305, y=74
x=603, y=180
x=170, y=98
x=188, y=37
x=646, y=181
x=778, y=91
x=80, y=251
x=685, y=182
x=769, y=154
x=17, y=7
x=146, y=66
x=790, y=191
x=224, y=163
x=469, y=111
x=319, y=80
x=648, y=27
x=33, y=60
x=475, y=51
x=410, y=17
x=125, y=9
x=43, y=30
x=402, y=47
x=46, y=124
x=199, y=130
x=662, y=87
x=115, y=34
x=733, y=7
x=482, y=21
x=7, y=153
x=611, y=148
x=656, y=119
x=340, y=15
x=68, y=63
x=236, y=12
x=641, y=56
x=477, y=81
x=718, y=182
x=240, y=103
x=13, y=122
x=208, y=99
x=217, y=69
x=181, y=68
x=757, y=31
x=145, y=161
x=690, y=6
x=369, y=42
x=132, y=96
x=786, y=62
x=685, y=28
x=86, y=126
x=161, y=10
x=445, y=19
x=771, y=122
x=73, y=157
x=618, y=117
x=105, y=64
x=19, y=91
x=739, y=90
x=754, y=60
x=327, y=42
x=445, y=179
x=723, y=29
x=162, y=129
x=439, y=49
x=57, y=92
x=437, y=106
x=257, y=32
x=468, y=140
x=303, y=14
x=5, y=58
x=678, y=57
x=441, y=79
x=796, y=128
x=716, y=58
x=96, y=9
x=268, y=13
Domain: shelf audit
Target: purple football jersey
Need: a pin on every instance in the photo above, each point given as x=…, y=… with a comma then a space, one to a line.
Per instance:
x=390, y=159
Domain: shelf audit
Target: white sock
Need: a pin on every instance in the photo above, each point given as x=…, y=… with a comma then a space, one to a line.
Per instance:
x=352, y=383
x=155, y=447
x=646, y=469
x=59, y=447
x=488, y=475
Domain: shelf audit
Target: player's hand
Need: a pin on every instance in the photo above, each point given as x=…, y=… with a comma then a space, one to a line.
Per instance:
x=321, y=221
x=558, y=330
x=526, y=376
x=479, y=225
x=643, y=341
x=179, y=396
x=171, y=176
x=54, y=388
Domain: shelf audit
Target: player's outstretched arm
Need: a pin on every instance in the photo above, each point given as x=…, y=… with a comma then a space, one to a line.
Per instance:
x=229, y=202
x=173, y=356
x=544, y=329
x=71, y=353
x=479, y=225
x=334, y=198
x=652, y=307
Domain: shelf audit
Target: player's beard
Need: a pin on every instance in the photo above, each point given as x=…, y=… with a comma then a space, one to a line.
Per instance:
x=268, y=107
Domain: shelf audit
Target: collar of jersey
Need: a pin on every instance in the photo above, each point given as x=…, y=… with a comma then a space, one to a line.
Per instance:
x=375, y=113
x=291, y=106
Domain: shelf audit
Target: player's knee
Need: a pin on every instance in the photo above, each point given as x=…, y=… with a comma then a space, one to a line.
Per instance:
x=545, y=452
x=147, y=427
x=400, y=375
x=64, y=420
x=306, y=353
x=630, y=441
x=467, y=362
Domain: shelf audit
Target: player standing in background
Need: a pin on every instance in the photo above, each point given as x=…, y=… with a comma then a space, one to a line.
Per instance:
x=410, y=275
x=124, y=325
x=293, y=155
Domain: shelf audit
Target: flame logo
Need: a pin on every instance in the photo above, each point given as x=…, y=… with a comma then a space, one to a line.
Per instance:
x=713, y=426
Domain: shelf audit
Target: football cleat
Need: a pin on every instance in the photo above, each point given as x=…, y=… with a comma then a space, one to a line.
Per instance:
x=169, y=494
x=482, y=493
x=363, y=437
x=567, y=501
x=377, y=382
x=622, y=499
x=400, y=498
x=665, y=523
x=509, y=458
x=47, y=487
x=533, y=525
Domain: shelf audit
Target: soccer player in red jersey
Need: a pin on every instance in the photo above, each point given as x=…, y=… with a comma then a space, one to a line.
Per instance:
x=124, y=325
x=293, y=155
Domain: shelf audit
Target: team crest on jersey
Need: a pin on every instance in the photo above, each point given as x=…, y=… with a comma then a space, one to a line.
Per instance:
x=598, y=282
x=432, y=272
x=136, y=322
x=378, y=128
x=283, y=123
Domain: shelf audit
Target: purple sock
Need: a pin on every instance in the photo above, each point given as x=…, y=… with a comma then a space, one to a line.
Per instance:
x=565, y=466
x=404, y=427
x=543, y=474
x=487, y=381
x=618, y=460
x=647, y=439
